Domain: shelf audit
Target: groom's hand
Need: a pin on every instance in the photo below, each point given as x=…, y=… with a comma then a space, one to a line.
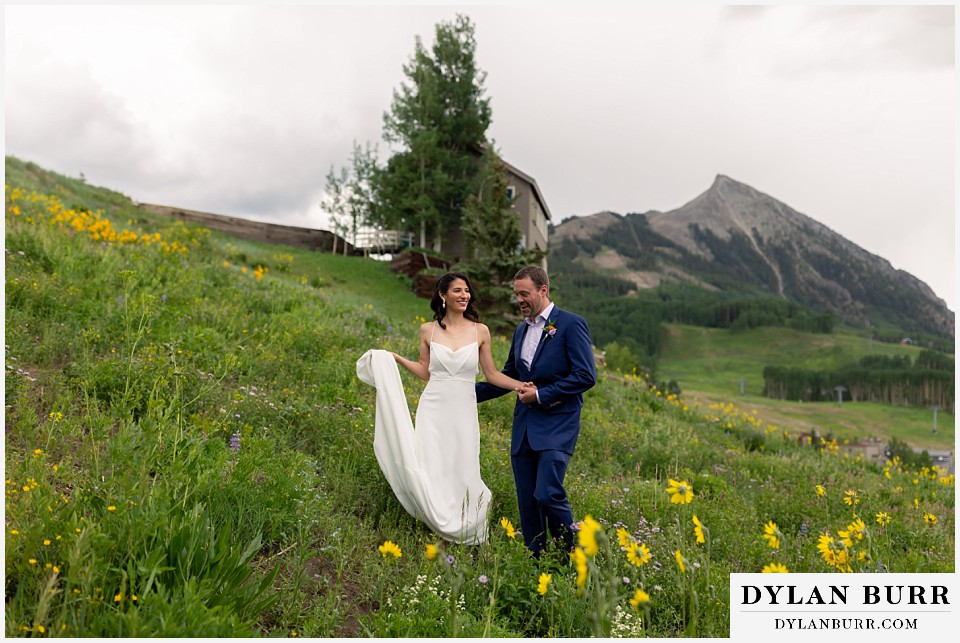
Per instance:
x=528, y=393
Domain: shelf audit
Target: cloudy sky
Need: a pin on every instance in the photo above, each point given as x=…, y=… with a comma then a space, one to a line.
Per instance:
x=845, y=113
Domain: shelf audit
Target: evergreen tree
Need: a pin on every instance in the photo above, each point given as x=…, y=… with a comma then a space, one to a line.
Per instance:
x=438, y=119
x=494, y=242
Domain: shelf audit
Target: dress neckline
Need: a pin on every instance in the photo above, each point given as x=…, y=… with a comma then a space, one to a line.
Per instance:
x=475, y=341
x=451, y=349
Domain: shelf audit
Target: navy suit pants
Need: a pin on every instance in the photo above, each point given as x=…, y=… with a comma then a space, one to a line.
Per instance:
x=541, y=497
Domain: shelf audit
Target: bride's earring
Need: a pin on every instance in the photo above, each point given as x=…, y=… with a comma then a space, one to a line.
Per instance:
x=444, y=303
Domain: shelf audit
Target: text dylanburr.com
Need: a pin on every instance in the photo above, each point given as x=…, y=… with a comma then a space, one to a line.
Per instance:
x=856, y=607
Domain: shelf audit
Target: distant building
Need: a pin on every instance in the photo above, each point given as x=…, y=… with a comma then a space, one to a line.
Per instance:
x=871, y=450
x=528, y=203
x=942, y=458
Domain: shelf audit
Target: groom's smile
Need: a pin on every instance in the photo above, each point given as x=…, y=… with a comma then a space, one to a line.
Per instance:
x=530, y=299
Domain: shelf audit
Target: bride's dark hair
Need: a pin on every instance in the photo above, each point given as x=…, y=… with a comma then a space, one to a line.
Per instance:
x=443, y=285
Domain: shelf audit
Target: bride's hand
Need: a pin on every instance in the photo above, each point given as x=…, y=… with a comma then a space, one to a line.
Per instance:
x=528, y=393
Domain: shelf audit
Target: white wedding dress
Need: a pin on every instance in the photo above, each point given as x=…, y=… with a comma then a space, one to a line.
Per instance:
x=433, y=467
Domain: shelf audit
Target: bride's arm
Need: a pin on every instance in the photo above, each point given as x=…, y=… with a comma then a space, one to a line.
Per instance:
x=422, y=368
x=490, y=371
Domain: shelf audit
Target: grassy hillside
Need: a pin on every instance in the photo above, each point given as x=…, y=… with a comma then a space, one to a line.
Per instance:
x=189, y=453
x=709, y=363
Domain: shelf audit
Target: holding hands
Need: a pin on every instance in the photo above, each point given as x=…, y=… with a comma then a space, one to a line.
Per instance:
x=527, y=392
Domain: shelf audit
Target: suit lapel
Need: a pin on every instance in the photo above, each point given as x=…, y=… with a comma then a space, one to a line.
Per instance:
x=519, y=336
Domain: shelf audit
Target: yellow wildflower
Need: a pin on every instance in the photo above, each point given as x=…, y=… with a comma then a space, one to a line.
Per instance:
x=508, y=527
x=544, y=584
x=431, y=551
x=775, y=568
x=679, y=557
x=390, y=549
x=883, y=518
x=587, y=536
x=853, y=532
x=580, y=562
x=771, y=533
x=834, y=553
x=850, y=497
x=623, y=537
x=639, y=598
x=680, y=492
x=821, y=492
x=698, y=530
x=638, y=554
x=929, y=518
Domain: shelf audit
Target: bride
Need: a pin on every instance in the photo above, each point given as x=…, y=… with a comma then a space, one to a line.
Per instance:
x=434, y=466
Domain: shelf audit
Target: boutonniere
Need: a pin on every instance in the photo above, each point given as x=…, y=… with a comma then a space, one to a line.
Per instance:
x=550, y=328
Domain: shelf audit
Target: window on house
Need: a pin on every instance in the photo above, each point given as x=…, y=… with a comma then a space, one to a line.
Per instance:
x=511, y=192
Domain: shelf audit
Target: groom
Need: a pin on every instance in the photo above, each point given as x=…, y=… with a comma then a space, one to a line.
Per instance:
x=552, y=354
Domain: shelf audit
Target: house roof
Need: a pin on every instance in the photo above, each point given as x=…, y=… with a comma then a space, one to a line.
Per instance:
x=522, y=175
x=536, y=188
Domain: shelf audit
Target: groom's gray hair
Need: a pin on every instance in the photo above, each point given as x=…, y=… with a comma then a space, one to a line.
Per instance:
x=536, y=274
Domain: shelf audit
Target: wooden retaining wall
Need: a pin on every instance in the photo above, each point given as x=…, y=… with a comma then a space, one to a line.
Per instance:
x=256, y=230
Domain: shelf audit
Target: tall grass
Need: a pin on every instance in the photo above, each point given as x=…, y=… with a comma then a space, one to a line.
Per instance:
x=189, y=453
x=711, y=364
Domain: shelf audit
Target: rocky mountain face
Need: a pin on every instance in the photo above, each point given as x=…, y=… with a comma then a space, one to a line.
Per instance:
x=733, y=237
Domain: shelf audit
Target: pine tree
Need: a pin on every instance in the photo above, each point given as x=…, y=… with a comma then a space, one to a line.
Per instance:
x=494, y=241
x=438, y=119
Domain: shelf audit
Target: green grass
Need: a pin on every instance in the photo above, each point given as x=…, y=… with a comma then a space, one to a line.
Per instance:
x=189, y=453
x=709, y=364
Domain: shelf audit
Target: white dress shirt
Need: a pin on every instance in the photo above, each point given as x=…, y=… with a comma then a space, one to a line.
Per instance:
x=534, y=334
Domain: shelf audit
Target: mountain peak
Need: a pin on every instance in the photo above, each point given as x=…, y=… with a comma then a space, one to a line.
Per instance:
x=724, y=183
x=733, y=233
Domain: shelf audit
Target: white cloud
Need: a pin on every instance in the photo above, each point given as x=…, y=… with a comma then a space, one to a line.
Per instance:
x=844, y=113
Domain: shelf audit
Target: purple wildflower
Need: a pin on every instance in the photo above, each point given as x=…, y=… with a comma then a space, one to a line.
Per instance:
x=483, y=579
x=235, y=443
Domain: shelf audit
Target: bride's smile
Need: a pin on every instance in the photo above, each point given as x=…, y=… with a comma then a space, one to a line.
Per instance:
x=458, y=296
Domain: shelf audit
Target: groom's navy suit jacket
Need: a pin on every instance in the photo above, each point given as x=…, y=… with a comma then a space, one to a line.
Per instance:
x=562, y=368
